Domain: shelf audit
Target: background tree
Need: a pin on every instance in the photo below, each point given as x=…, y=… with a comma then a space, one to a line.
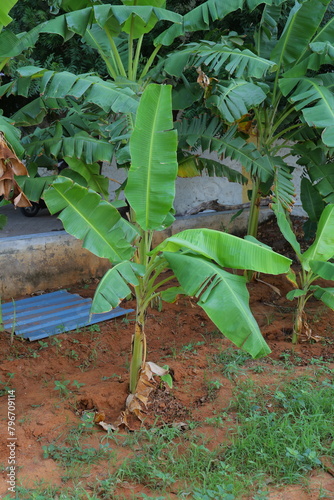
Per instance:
x=269, y=87
x=95, y=118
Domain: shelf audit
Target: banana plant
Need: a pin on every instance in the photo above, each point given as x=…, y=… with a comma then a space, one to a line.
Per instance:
x=197, y=258
x=314, y=263
x=270, y=87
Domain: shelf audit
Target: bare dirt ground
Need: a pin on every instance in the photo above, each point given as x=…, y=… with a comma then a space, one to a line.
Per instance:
x=180, y=336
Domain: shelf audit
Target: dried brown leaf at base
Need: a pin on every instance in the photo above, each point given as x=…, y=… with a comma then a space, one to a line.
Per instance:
x=307, y=333
x=99, y=417
x=10, y=165
x=107, y=427
x=136, y=404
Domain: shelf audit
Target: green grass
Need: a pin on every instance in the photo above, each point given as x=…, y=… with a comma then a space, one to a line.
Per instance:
x=231, y=361
x=285, y=437
x=276, y=434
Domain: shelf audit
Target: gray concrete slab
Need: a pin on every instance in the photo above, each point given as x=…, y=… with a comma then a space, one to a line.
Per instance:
x=18, y=224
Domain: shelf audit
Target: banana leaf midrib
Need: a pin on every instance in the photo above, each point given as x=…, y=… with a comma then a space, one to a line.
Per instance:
x=89, y=224
x=241, y=306
x=150, y=164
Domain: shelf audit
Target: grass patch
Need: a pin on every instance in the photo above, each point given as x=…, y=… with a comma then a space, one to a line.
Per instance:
x=284, y=437
x=274, y=435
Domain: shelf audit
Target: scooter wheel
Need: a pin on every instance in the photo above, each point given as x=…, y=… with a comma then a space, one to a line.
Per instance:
x=30, y=211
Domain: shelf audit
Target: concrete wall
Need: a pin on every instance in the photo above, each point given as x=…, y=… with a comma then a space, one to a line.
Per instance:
x=43, y=261
x=191, y=192
x=38, y=262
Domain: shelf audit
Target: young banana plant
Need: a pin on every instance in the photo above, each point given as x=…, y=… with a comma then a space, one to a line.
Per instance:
x=196, y=257
x=314, y=264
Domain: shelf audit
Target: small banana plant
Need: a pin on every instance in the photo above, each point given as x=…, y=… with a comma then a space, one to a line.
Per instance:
x=314, y=264
x=197, y=257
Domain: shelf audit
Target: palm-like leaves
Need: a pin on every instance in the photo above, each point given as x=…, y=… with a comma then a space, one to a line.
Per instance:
x=236, y=98
x=217, y=56
x=205, y=134
x=93, y=89
x=282, y=203
x=199, y=18
x=315, y=100
x=138, y=20
x=191, y=165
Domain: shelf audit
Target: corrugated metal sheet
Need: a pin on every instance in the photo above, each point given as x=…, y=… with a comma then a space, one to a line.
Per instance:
x=41, y=316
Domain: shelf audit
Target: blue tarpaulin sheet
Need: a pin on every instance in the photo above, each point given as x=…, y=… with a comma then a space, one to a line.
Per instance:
x=45, y=315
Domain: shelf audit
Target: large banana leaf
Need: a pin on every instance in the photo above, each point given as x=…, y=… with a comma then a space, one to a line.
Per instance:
x=199, y=131
x=322, y=249
x=33, y=187
x=12, y=45
x=236, y=98
x=226, y=250
x=150, y=188
x=115, y=18
x=223, y=296
x=82, y=146
x=95, y=221
x=311, y=199
x=219, y=56
x=113, y=287
x=200, y=18
x=301, y=26
x=323, y=178
x=32, y=113
x=316, y=102
x=314, y=157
